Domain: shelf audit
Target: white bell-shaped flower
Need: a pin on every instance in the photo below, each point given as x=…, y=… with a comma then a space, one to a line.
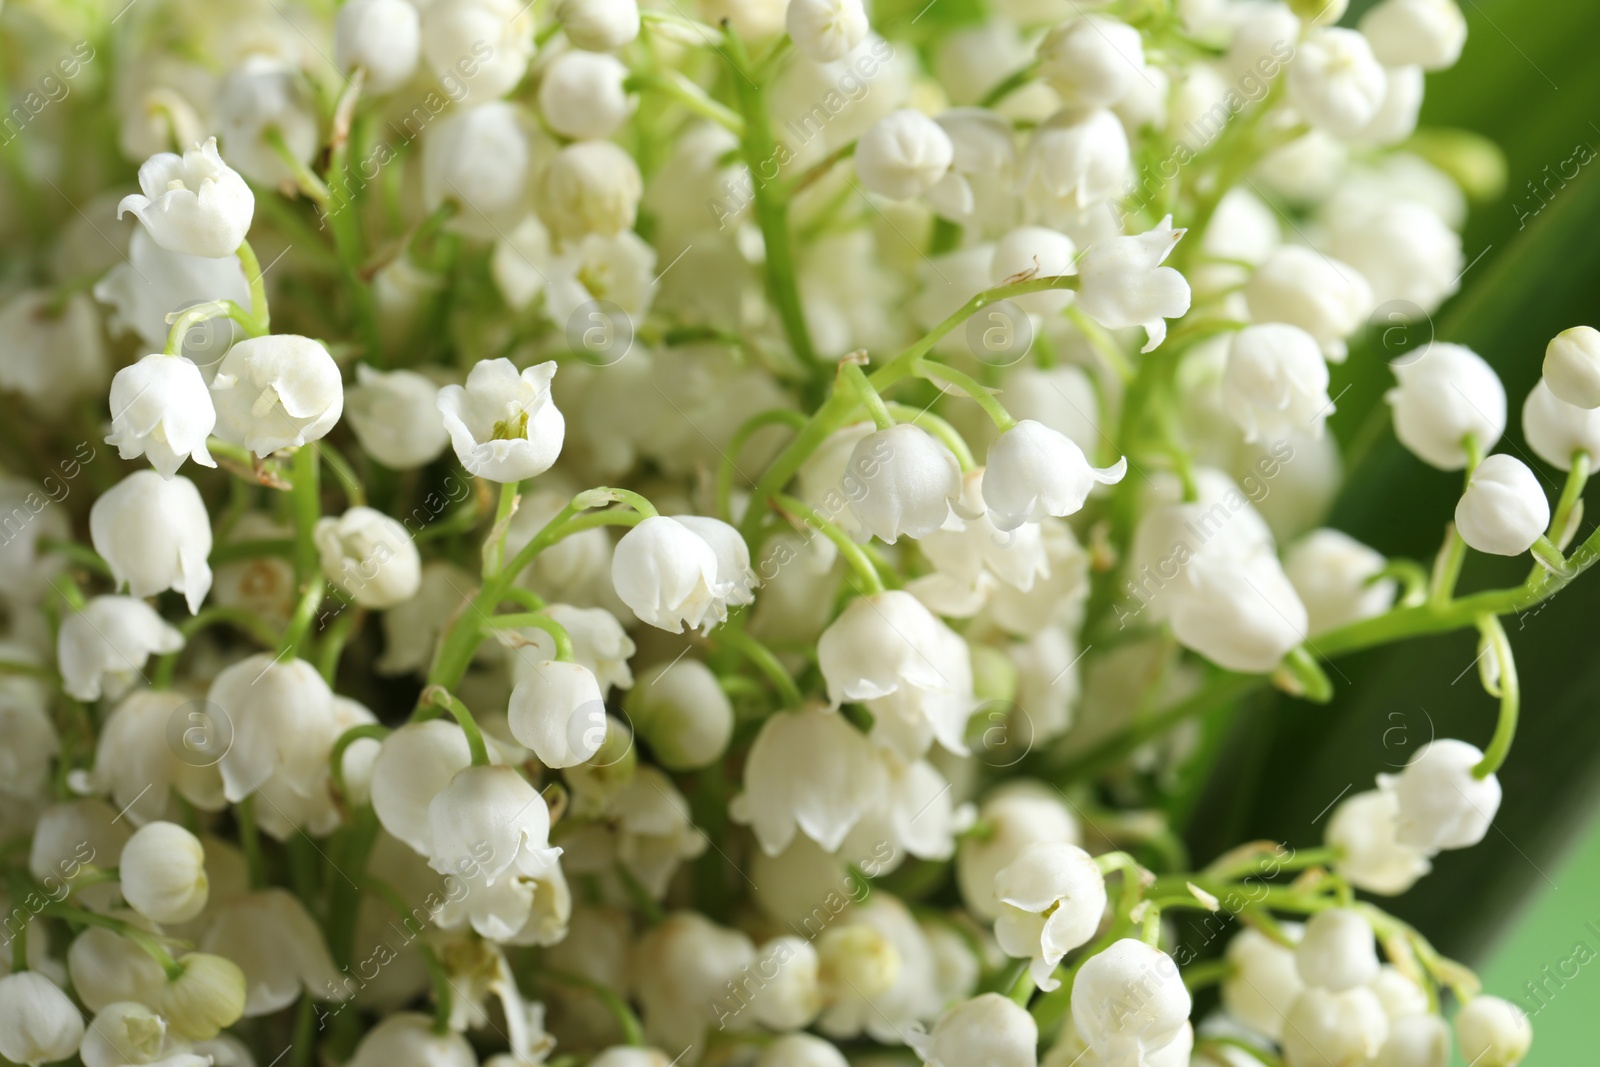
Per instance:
x=489, y=821
x=1262, y=983
x=395, y=416
x=193, y=204
x=1129, y=1001
x=1442, y=803
x=582, y=95
x=1415, y=1041
x=1556, y=430
x=680, y=710
x=1240, y=613
x=590, y=187
x=1092, y=61
x=1400, y=993
x=283, y=721
x=1034, y=472
x=1302, y=287
x=1572, y=366
x=1124, y=284
x=686, y=968
x=1493, y=1032
x=413, y=766
x=1040, y=252
x=973, y=559
x=1017, y=814
x=1504, y=510
x=800, y=1050
x=505, y=426
x=263, y=103
x=381, y=37
x=1276, y=382
x=279, y=947
x=559, y=712
x=136, y=765
x=908, y=482
x=38, y=1022
x=478, y=48
x=207, y=996
x=408, y=1039
x=989, y=1029
x=1445, y=394
x=107, y=968
x=1076, y=159
x=599, y=25
x=130, y=1033
x=1337, y=951
x=826, y=30
x=101, y=649
x=1052, y=898
x=734, y=574
x=1424, y=33
x=276, y=392
x=481, y=159
x=904, y=155
x=163, y=873
x=1333, y=574
x=670, y=576
x=1365, y=829
x=1404, y=250
x=161, y=408
x=809, y=771
x=1336, y=82
x=791, y=998
x=369, y=556
x=1328, y=1028
x=154, y=534
x=51, y=350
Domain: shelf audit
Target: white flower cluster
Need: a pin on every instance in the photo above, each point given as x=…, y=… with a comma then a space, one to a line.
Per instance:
x=937, y=452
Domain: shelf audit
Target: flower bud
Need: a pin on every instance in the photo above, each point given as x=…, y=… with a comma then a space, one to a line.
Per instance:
x=370, y=556
x=163, y=873
x=858, y=958
x=1299, y=286
x=591, y=187
x=1276, y=382
x=1504, y=510
x=988, y=1029
x=559, y=712
x=491, y=39
x=1042, y=253
x=194, y=204
x=38, y=1023
x=1443, y=804
x=1338, y=950
x=801, y=1050
x=1415, y=1041
x=1572, y=366
x=680, y=710
x=792, y=996
x=1445, y=394
x=1263, y=982
x=1124, y=284
x=276, y=392
x=1092, y=61
x=1052, y=898
x=904, y=155
x=1329, y=1029
x=825, y=30
x=1404, y=250
x=1034, y=472
x=395, y=416
x=909, y=480
x=480, y=158
x=207, y=996
x=1423, y=33
x=1336, y=82
x=1077, y=159
x=582, y=96
x=669, y=575
x=1365, y=829
x=1556, y=430
x=1333, y=574
x=1400, y=994
x=1242, y=614
x=104, y=647
x=154, y=534
x=160, y=408
x=382, y=37
x=1129, y=1001
x=407, y=1039
x=1493, y=1032
x=599, y=25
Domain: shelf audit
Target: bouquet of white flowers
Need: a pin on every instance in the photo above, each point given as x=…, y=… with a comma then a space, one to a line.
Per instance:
x=732, y=534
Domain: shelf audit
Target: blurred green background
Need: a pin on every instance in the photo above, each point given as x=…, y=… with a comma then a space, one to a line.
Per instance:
x=1518, y=905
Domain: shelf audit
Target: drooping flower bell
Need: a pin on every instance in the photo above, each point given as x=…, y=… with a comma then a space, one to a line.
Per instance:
x=194, y=204
x=1124, y=284
x=161, y=408
x=104, y=647
x=908, y=481
x=1504, y=510
x=1052, y=898
x=904, y=155
x=670, y=576
x=154, y=534
x=1443, y=804
x=1443, y=395
x=1128, y=1001
x=504, y=426
x=1034, y=472
x=276, y=392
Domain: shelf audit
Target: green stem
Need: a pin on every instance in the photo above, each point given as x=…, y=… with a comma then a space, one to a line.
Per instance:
x=261, y=316
x=1308, y=676
x=304, y=177
x=927, y=368
x=852, y=552
x=494, y=547
x=535, y=620
x=676, y=86
x=82, y=555
x=333, y=642
x=853, y=376
x=1505, y=730
x=184, y=320
x=1104, y=345
x=234, y=551
x=437, y=975
x=305, y=613
x=763, y=659
x=1571, y=496
x=1447, y=567
x=373, y=730
x=632, y=1031
x=144, y=939
x=216, y=615
x=306, y=499
x=1017, y=79
x=244, y=813
x=354, y=492
x=741, y=437
x=441, y=697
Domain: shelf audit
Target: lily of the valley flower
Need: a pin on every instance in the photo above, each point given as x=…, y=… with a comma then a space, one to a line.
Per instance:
x=1276, y=382
x=370, y=556
x=1504, y=510
x=154, y=534
x=104, y=647
x=1443, y=804
x=160, y=408
x=904, y=155
x=671, y=576
x=276, y=392
x=504, y=425
x=194, y=204
x=1052, y=898
x=1123, y=283
x=1035, y=472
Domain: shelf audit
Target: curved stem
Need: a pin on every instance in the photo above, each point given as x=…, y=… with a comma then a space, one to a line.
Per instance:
x=853, y=376
x=494, y=547
x=441, y=697
x=761, y=656
x=373, y=730
x=1571, y=498
x=853, y=553
x=260, y=316
x=741, y=437
x=632, y=1031
x=927, y=368
x=144, y=939
x=212, y=309
x=1505, y=730
x=557, y=632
